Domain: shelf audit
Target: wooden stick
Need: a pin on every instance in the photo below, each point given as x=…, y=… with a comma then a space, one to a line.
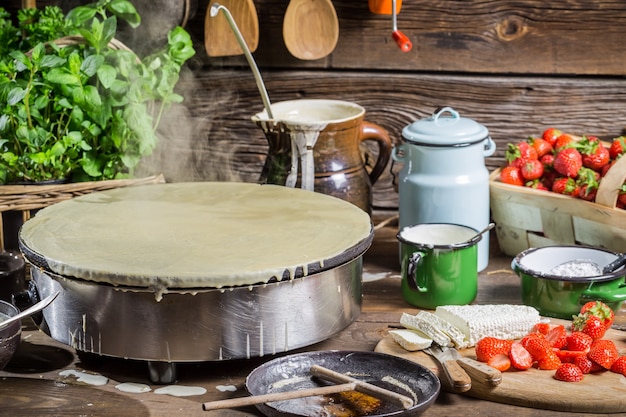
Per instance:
x=347, y=384
x=362, y=386
x=277, y=396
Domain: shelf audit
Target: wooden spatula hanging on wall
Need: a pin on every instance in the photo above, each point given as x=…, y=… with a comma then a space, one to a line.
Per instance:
x=219, y=39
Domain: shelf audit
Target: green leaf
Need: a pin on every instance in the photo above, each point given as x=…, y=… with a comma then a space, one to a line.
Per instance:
x=61, y=76
x=57, y=149
x=81, y=14
x=90, y=65
x=90, y=164
x=92, y=97
x=52, y=61
x=4, y=120
x=106, y=75
x=38, y=52
x=16, y=95
x=22, y=60
x=108, y=31
x=124, y=9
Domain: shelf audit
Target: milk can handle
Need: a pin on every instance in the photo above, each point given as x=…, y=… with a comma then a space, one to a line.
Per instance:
x=442, y=110
x=411, y=277
x=490, y=147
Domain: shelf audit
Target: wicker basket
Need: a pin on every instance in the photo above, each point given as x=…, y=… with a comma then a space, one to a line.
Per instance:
x=19, y=201
x=527, y=218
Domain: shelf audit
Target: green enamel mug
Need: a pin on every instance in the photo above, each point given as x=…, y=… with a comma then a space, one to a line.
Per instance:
x=439, y=264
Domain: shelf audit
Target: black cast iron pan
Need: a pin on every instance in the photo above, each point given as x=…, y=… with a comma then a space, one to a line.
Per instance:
x=290, y=373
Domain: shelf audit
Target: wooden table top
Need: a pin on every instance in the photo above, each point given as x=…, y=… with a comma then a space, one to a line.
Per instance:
x=32, y=386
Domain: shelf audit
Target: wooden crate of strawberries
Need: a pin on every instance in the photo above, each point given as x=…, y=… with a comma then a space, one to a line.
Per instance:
x=561, y=189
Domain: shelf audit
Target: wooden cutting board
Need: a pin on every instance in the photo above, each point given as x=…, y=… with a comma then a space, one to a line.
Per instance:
x=603, y=392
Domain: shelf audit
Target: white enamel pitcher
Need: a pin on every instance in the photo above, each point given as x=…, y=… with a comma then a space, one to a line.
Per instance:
x=444, y=178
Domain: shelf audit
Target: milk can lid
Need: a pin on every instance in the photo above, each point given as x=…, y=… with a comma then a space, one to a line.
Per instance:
x=445, y=130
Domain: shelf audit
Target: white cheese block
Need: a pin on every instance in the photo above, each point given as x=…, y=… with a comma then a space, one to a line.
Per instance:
x=411, y=340
x=430, y=329
x=505, y=321
x=457, y=336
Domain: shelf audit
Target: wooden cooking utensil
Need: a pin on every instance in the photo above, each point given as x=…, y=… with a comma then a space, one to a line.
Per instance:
x=348, y=384
x=219, y=39
x=310, y=28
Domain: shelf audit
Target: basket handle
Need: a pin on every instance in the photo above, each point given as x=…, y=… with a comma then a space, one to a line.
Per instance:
x=611, y=183
x=29, y=4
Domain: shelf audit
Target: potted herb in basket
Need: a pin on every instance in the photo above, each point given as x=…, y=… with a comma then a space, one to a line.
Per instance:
x=75, y=103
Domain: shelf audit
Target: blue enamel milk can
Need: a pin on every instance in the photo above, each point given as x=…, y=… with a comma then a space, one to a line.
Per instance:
x=444, y=178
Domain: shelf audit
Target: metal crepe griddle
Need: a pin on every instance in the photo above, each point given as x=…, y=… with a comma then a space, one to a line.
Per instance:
x=85, y=237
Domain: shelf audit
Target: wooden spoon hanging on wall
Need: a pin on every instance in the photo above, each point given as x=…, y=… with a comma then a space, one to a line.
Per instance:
x=310, y=28
x=219, y=39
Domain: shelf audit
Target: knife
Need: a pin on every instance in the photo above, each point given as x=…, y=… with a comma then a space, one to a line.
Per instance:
x=456, y=376
x=474, y=369
x=478, y=371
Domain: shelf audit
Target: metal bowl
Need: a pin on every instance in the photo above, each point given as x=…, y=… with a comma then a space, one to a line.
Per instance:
x=560, y=295
x=10, y=336
x=291, y=373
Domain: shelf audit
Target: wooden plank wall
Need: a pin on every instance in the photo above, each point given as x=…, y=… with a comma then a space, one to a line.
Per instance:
x=516, y=67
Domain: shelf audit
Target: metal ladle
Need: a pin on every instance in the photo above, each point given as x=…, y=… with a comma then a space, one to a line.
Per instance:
x=31, y=310
x=215, y=9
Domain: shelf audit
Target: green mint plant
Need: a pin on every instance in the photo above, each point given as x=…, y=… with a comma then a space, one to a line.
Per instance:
x=74, y=103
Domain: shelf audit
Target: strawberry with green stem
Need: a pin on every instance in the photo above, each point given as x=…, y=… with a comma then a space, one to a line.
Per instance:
x=518, y=153
x=618, y=147
x=568, y=161
x=594, y=154
x=565, y=186
x=588, y=183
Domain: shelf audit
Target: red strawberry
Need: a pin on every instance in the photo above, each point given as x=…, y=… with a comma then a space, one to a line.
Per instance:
x=520, y=358
x=537, y=346
x=603, y=352
x=618, y=147
x=566, y=186
x=487, y=347
x=588, y=184
x=551, y=134
x=621, y=197
x=619, y=366
x=549, y=362
x=579, y=341
x=500, y=361
x=531, y=169
x=594, y=327
x=587, y=365
x=549, y=176
x=516, y=154
x=563, y=141
x=568, y=372
x=542, y=328
x=541, y=145
x=557, y=336
x=568, y=162
x=548, y=161
x=569, y=356
x=596, y=156
x=599, y=309
x=606, y=168
x=511, y=175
